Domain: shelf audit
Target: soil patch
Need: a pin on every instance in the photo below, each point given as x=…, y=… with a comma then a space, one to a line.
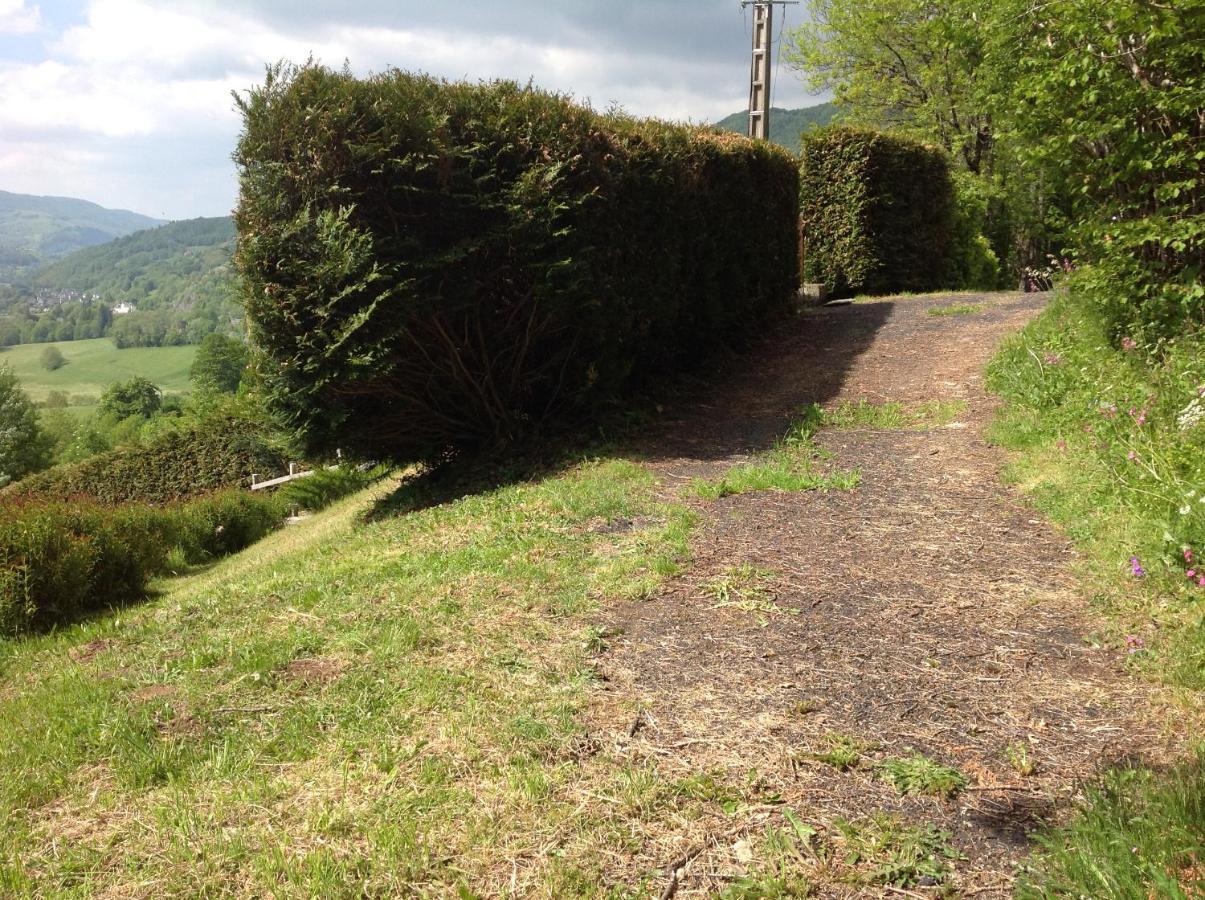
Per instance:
x=928, y=610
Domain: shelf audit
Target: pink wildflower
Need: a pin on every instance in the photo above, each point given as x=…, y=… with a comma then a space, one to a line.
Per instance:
x=1134, y=643
x=1131, y=456
x=1188, y=554
x=1192, y=573
x=1128, y=344
x=1201, y=581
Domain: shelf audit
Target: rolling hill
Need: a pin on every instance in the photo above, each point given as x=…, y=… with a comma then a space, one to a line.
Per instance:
x=785, y=124
x=37, y=230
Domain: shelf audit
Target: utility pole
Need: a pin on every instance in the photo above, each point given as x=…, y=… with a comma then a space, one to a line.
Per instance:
x=761, y=65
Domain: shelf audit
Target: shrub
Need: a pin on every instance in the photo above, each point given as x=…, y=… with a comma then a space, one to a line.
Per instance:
x=194, y=459
x=877, y=212
x=430, y=267
x=58, y=561
x=326, y=486
x=52, y=358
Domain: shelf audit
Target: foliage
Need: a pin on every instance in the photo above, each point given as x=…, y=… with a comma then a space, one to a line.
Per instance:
x=219, y=364
x=58, y=560
x=52, y=358
x=24, y=447
x=887, y=850
x=431, y=267
x=1113, y=448
x=1138, y=836
x=195, y=457
x=1104, y=103
x=326, y=486
x=908, y=65
x=877, y=212
x=786, y=125
x=137, y=397
x=917, y=774
x=889, y=414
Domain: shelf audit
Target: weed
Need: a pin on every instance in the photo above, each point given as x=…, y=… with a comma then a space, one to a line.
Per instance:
x=917, y=774
x=958, y=309
x=842, y=751
x=744, y=588
x=1017, y=755
x=777, y=866
x=883, y=849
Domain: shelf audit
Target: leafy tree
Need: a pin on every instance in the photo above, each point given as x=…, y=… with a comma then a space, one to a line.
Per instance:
x=24, y=447
x=909, y=65
x=1105, y=101
x=136, y=397
x=219, y=364
x=52, y=359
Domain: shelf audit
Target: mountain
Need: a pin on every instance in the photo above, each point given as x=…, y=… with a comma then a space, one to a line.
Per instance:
x=785, y=124
x=37, y=230
x=168, y=285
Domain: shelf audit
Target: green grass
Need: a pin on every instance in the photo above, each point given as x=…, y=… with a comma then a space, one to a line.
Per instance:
x=841, y=751
x=791, y=465
x=883, y=849
x=958, y=309
x=891, y=414
x=347, y=709
x=746, y=588
x=917, y=774
x=1110, y=443
x=95, y=364
x=1140, y=835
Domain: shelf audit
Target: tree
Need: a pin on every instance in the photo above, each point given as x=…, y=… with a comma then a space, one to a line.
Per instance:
x=24, y=446
x=219, y=364
x=52, y=358
x=908, y=65
x=136, y=397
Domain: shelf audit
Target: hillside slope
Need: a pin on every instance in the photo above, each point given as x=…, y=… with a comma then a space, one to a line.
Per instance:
x=785, y=124
x=36, y=230
x=169, y=266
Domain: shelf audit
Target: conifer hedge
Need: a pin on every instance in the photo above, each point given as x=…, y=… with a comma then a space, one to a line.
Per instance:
x=877, y=212
x=430, y=266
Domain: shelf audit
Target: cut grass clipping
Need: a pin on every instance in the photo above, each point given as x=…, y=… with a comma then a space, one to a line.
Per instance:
x=958, y=309
x=789, y=466
x=344, y=710
x=917, y=774
x=890, y=414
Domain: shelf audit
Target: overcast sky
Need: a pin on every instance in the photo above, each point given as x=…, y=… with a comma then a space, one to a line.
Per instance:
x=127, y=102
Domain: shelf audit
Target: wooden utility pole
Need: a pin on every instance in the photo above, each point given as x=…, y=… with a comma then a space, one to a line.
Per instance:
x=761, y=65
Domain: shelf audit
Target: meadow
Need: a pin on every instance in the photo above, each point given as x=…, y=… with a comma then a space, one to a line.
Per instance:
x=95, y=364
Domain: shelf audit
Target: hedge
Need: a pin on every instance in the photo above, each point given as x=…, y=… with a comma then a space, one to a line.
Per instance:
x=194, y=460
x=877, y=212
x=431, y=267
x=58, y=560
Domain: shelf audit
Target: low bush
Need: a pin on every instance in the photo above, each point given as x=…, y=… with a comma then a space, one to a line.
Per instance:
x=59, y=560
x=431, y=267
x=326, y=486
x=191, y=460
x=878, y=213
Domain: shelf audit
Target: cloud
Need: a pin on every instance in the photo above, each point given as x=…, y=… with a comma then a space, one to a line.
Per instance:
x=130, y=80
x=17, y=18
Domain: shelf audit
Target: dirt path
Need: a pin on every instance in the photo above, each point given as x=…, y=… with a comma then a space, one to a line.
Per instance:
x=927, y=610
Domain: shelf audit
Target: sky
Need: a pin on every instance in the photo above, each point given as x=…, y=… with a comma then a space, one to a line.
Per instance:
x=127, y=103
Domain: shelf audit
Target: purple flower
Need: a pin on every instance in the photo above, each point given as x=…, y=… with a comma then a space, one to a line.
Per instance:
x=1136, y=568
x=1134, y=643
x=1052, y=359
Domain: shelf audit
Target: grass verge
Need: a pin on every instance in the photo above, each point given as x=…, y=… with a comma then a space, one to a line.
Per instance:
x=891, y=414
x=958, y=309
x=1110, y=443
x=346, y=710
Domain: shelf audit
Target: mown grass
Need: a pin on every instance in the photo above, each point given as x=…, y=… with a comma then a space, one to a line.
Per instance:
x=1110, y=443
x=93, y=365
x=791, y=465
x=345, y=710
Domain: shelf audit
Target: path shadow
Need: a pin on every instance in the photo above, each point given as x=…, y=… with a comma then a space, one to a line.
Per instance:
x=742, y=404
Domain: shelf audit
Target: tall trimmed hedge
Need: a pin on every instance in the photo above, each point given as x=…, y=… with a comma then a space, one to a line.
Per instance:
x=430, y=266
x=199, y=458
x=877, y=212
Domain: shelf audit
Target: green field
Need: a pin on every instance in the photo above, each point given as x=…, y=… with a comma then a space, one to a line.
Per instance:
x=93, y=365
